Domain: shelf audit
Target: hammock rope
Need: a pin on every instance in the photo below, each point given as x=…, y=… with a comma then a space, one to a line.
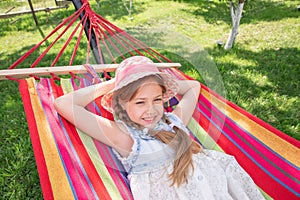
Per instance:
x=109, y=39
x=268, y=155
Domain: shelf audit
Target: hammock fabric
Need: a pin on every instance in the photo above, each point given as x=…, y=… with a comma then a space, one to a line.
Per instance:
x=74, y=166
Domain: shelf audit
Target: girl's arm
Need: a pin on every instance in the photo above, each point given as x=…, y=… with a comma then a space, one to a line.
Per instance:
x=72, y=107
x=189, y=90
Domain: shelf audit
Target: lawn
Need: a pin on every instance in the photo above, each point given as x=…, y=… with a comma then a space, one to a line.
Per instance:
x=260, y=74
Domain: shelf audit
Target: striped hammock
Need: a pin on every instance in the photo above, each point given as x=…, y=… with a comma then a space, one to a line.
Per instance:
x=72, y=165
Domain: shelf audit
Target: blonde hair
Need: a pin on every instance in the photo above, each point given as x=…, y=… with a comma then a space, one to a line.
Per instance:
x=180, y=141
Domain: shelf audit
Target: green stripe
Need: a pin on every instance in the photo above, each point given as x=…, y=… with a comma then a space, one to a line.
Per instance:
x=203, y=136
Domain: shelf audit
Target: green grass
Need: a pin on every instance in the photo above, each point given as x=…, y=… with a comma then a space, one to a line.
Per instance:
x=260, y=74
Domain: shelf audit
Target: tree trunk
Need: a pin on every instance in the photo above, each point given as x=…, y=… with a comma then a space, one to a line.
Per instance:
x=236, y=15
x=129, y=10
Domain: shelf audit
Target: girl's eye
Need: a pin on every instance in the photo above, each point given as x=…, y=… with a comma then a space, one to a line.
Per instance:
x=158, y=100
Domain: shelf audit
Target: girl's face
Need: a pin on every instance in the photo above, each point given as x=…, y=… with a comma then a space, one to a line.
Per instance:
x=146, y=106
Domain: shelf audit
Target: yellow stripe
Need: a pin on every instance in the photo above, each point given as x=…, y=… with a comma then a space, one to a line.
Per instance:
x=94, y=155
x=277, y=144
x=57, y=175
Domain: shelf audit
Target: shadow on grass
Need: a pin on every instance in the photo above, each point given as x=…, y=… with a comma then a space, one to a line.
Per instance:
x=281, y=67
x=8, y=59
x=269, y=88
x=214, y=11
x=26, y=22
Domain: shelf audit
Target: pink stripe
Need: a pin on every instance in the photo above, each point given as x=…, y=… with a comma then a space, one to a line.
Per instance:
x=78, y=181
x=35, y=140
x=266, y=152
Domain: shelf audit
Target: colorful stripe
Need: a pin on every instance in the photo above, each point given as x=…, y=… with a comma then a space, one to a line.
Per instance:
x=67, y=159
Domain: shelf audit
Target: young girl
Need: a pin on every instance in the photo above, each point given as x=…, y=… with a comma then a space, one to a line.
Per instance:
x=162, y=161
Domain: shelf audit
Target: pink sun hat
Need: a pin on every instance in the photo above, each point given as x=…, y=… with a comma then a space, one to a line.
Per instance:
x=134, y=68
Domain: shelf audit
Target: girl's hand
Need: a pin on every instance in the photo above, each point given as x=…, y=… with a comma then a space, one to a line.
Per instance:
x=190, y=90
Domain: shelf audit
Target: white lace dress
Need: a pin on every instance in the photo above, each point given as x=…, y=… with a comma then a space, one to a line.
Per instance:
x=216, y=175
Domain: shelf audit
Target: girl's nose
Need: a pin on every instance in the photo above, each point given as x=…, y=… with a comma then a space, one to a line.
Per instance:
x=150, y=108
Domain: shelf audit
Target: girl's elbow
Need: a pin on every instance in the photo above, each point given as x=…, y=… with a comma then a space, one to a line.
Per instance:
x=64, y=108
x=196, y=86
x=59, y=104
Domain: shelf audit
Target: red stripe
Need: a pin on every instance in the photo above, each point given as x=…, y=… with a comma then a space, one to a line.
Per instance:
x=108, y=160
x=114, y=171
x=35, y=140
x=87, y=163
x=83, y=191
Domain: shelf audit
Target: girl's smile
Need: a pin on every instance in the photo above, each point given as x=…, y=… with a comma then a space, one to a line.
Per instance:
x=146, y=107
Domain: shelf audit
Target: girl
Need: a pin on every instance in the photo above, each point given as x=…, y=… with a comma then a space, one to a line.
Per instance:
x=162, y=161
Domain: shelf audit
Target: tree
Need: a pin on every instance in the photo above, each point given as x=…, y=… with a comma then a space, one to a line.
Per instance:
x=236, y=15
